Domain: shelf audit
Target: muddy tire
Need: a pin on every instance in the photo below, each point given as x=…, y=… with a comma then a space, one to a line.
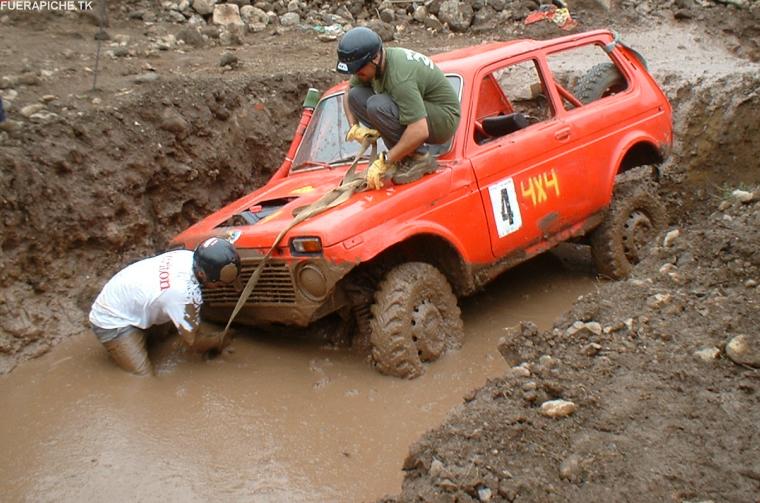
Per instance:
x=634, y=219
x=415, y=320
x=601, y=80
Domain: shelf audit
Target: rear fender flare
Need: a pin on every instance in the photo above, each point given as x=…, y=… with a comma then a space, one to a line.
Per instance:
x=625, y=145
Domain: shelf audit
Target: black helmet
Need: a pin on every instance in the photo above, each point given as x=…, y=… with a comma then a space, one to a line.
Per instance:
x=357, y=48
x=217, y=260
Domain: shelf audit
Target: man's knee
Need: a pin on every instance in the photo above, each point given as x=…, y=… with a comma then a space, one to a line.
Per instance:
x=380, y=107
x=358, y=97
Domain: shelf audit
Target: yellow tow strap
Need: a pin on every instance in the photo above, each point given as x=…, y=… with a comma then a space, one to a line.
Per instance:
x=350, y=184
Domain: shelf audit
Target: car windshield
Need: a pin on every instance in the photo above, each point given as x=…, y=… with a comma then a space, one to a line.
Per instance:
x=324, y=143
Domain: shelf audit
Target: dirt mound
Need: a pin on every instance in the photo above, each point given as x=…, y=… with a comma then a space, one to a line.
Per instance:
x=662, y=412
x=81, y=196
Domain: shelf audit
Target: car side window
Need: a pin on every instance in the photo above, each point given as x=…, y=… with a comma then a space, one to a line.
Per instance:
x=585, y=74
x=510, y=98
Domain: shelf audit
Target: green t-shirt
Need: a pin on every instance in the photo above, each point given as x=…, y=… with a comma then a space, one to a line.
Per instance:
x=420, y=89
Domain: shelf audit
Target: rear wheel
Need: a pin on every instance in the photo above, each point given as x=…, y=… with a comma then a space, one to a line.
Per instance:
x=634, y=219
x=415, y=319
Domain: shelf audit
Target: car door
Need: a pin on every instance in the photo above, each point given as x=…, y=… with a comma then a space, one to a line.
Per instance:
x=527, y=177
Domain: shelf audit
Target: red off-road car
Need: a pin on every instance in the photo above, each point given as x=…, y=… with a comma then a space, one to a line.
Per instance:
x=547, y=129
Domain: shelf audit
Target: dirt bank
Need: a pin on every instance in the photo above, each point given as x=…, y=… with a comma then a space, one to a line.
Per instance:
x=87, y=192
x=663, y=413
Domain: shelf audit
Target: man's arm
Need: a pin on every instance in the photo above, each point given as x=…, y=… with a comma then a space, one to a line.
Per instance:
x=198, y=335
x=350, y=116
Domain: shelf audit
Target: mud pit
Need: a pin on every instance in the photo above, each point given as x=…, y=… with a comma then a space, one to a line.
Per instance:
x=118, y=174
x=278, y=419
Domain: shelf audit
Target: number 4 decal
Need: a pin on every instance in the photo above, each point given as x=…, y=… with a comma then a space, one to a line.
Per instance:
x=506, y=211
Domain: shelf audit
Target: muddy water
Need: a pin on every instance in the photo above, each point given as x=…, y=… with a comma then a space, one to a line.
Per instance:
x=274, y=420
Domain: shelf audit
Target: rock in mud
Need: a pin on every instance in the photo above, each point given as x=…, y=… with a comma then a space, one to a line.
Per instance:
x=708, y=355
x=226, y=15
x=558, y=408
x=43, y=116
x=670, y=237
x=229, y=59
x=485, y=494
x=659, y=300
x=30, y=110
x=458, y=15
x=146, y=77
x=172, y=121
x=580, y=328
x=436, y=468
x=204, y=7
x=191, y=36
x=744, y=350
x=520, y=371
x=570, y=469
x=290, y=19
x=743, y=196
x=252, y=14
x=29, y=79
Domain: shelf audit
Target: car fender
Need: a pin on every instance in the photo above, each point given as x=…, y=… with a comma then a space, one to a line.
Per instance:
x=625, y=144
x=375, y=241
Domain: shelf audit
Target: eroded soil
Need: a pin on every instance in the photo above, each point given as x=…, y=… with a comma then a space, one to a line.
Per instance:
x=121, y=169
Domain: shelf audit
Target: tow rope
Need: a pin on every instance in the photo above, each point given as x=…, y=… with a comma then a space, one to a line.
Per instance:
x=350, y=184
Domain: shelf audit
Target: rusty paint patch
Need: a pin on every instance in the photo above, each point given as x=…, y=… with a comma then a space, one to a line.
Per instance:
x=549, y=224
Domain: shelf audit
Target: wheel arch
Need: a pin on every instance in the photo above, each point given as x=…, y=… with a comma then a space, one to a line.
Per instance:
x=430, y=247
x=634, y=151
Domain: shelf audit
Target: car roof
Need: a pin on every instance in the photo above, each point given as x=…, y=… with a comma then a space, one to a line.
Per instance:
x=477, y=56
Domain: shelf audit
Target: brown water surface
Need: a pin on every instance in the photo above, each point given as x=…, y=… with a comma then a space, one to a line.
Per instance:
x=277, y=419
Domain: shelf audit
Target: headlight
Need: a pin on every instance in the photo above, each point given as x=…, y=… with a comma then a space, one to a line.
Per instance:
x=306, y=246
x=311, y=282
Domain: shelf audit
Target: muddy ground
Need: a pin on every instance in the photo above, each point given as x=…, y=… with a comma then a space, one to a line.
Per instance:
x=95, y=179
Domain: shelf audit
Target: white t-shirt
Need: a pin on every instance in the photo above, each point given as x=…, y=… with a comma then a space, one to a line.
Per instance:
x=150, y=292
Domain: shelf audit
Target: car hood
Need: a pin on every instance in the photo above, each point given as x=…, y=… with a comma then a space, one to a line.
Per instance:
x=258, y=218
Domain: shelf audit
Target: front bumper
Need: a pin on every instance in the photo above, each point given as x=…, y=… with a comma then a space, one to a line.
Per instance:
x=290, y=291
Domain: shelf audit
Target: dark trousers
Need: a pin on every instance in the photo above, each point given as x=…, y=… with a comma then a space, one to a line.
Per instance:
x=377, y=111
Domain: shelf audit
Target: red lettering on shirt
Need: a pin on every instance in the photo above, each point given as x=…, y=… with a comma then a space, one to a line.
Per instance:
x=163, y=274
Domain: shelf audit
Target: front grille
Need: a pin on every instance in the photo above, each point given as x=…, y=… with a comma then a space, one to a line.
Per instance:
x=275, y=285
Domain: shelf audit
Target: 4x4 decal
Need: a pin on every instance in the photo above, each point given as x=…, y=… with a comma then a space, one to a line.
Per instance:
x=537, y=188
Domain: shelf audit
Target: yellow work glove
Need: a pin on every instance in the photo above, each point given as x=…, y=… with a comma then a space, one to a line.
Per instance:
x=360, y=134
x=376, y=172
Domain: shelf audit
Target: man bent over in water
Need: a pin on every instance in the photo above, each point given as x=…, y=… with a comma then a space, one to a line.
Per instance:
x=157, y=290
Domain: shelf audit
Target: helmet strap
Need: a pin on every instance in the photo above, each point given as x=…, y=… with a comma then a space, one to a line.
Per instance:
x=379, y=64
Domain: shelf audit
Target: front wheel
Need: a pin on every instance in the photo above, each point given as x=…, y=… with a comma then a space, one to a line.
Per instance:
x=634, y=219
x=415, y=320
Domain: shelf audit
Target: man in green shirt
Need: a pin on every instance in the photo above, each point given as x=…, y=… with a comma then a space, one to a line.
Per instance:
x=404, y=97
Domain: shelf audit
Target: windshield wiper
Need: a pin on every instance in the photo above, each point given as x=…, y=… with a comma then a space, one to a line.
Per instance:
x=305, y=164
x=346, y=160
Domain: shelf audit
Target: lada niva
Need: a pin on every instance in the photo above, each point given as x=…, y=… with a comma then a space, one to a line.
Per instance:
x=548, y=129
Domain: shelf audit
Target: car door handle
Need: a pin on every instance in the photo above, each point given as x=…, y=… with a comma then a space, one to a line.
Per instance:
x=563, y=134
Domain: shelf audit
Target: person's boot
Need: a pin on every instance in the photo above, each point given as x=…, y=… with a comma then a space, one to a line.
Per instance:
x=413, y=167
x=128, y=352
